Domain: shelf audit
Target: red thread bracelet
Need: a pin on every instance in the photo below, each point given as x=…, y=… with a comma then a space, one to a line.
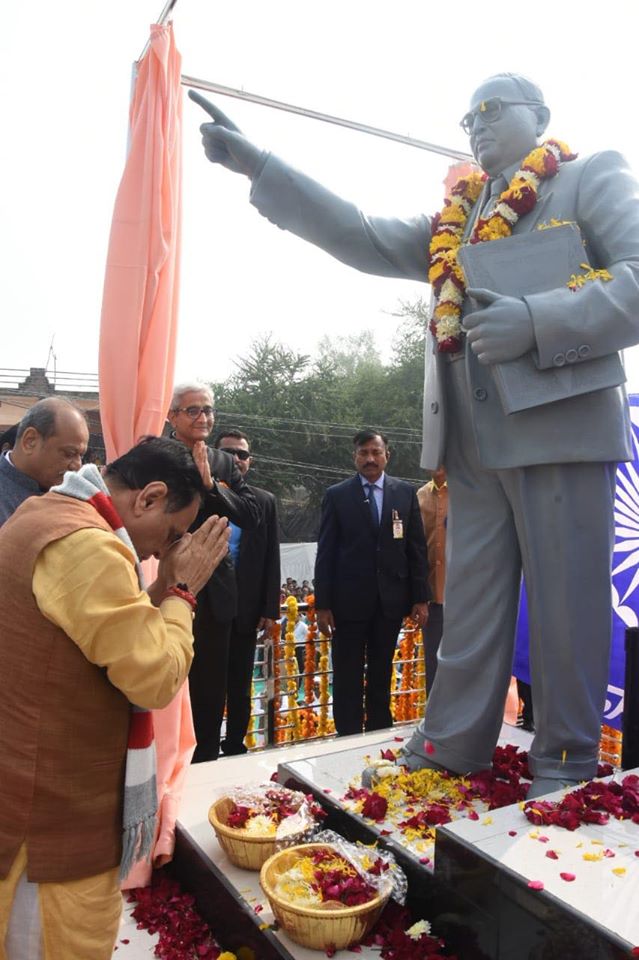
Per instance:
x=183, y=595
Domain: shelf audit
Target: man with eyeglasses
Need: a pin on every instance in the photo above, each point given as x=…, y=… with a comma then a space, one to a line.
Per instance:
x=192, y=418
x=529, y=491
x=256, y=558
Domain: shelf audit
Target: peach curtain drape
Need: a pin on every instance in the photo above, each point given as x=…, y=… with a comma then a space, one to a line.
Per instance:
x=138, y=335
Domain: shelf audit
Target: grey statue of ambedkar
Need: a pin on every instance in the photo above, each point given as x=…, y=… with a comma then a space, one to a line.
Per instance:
x=529, y=492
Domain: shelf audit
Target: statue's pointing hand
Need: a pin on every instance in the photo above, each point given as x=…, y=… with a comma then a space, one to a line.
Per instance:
x=224, y=142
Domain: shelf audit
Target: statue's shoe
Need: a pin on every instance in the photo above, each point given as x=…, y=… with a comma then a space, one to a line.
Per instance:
x=417, y=761
x=543, y=785
x=381, y=769
x=378, y=771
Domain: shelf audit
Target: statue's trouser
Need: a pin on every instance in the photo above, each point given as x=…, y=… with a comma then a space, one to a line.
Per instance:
x=556, y=522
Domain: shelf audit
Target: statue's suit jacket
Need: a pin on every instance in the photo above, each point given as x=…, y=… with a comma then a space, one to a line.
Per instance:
x=601, y=196
x=361, y=566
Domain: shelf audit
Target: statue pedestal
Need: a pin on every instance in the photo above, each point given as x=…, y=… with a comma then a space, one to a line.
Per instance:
x=473, y=888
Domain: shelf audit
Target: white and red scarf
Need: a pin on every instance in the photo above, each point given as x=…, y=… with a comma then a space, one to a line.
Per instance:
x=139, y=814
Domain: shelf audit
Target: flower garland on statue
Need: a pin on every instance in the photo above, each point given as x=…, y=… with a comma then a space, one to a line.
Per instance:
x=447, y=232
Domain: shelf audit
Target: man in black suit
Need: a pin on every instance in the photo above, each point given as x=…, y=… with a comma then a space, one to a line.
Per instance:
x=192, y=417
x=256, y=557
x=371, y=571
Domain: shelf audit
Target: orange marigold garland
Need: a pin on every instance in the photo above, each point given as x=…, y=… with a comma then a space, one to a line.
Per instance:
x=310, y=720
x=325, y=724
x=292, y=719
x=278, y=720
x=448, y=227
x=407, y=654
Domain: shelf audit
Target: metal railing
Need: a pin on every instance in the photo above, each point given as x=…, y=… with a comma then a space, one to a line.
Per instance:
x=290, y=703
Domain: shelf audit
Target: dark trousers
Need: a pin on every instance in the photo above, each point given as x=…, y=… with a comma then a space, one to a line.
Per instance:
x=238, y=688
x=207, y=679
x=432, y=634
x=524, y=691
x=361, y=694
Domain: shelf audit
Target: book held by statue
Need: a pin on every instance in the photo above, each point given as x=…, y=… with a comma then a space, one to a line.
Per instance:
x=534, y=263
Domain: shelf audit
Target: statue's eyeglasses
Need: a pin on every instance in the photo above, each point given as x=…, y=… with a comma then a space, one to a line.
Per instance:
x=490, y=111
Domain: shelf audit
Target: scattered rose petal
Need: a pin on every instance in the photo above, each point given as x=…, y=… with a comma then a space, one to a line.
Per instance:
x=398, y=739
x=536, y=884
x=385, y=833
x=473, y=815
x=543, y=839
x=258, y=907
x=512, y=833
x=125, y=941
x=327, y=790
x=424, y=859
x=552, y=855
x=428, y=747
x=568, y=877
x=609, y=853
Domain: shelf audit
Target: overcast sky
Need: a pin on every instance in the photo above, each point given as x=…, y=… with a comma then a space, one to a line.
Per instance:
x=409, y=66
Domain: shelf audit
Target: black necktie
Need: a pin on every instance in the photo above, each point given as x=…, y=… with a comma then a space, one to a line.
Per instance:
x=372, y=502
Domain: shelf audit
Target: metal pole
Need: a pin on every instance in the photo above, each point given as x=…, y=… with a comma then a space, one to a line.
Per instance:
x=325, y=117
x=630, y=723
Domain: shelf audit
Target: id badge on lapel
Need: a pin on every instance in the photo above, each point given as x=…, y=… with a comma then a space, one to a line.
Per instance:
x=398, y=527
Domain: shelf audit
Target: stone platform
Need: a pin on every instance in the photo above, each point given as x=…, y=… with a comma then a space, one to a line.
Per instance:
x=473, y=887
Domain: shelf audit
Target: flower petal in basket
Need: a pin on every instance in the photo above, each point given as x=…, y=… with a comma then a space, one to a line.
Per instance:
x=319, y=925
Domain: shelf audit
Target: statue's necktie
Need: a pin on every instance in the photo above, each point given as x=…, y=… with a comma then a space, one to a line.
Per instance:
x=496, y=187
x=372, y=502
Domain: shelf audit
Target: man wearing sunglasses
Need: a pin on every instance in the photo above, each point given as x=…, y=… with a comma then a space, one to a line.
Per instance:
x=256, y=558
x=530, y=491
x=192, y=418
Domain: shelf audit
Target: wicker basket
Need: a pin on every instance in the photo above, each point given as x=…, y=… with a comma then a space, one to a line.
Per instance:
x=244, y=849
x=323, y=926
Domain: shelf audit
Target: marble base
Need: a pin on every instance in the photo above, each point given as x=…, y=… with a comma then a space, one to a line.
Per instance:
x=477, y=896
x=475, y=888
x=593, y=917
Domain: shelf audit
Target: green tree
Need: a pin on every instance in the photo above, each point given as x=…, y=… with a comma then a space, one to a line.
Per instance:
x=301, y=412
